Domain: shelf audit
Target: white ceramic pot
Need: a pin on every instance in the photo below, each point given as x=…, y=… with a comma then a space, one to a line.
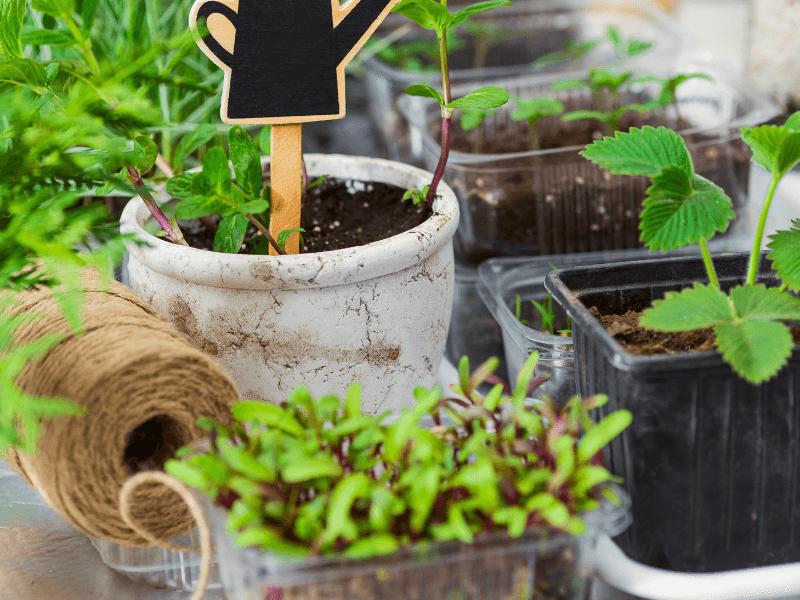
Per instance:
x=377, y=314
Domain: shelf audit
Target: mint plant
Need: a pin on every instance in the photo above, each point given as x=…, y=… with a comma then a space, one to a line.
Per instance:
x=533, y=111
x=683, y=209
x=318, y=476
x=435, y=16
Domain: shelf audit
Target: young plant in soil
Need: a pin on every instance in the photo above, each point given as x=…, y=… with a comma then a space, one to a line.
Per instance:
x=320, y=477
x=533, y=111
x=575, y=51
x=683, y=209
x=432, y=15
x=548, y=316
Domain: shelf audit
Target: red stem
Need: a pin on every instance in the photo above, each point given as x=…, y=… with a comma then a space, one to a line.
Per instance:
x=439, y=173
x=174, y=235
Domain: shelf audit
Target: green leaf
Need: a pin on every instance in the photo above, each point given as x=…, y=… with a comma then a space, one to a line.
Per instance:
x=191, y=142
x=311, y=468
x=268, y=414
x=339, y=522
x=601, y=434
x=265, y=140
x=569, y=84
x=22, y=72
x=238, y=459
x=230, y=234
x=12, y=14
x=422, y=495
x=318, y=181
x=793, y=122
x=284, y=235
x=788, y=153
x=425, y=91
x=643, y=151
x=375, y=545
x=52, y=72
x=756, y=350
x=475, y=9
x=674, y=217
x=253, y=207
x=145, y=153
x=48, y=37
x=180, y=186
x=514, y=517
x=758, y=302
x=428, y=14
x=785, y=246
x=217, y=171
x=693, y=308
x=189, y=475
x=775, y=148
x=195, y=206
x=88, y=12
x=246, y=161
x=352, y=405
x=483, y=98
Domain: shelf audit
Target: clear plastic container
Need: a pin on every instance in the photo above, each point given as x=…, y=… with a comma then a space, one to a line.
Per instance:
x=555, y=201
x=500, y=280
x=541, y=564
x=473, y=332
x=530, y=29
x=159, y=567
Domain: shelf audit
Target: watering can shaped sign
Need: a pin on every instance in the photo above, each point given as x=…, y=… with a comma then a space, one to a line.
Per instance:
x=284, y=60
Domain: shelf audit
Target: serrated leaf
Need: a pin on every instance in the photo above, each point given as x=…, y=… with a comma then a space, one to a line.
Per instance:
x=180, y=186
x=425, y=91
x=191, y=142
x=145, y=152
x=693, y=308
x=12, y=14
x=758, y=302
x=756, y=350
x=481, y=99
x=475, y=9
x=22, y=72
x=230, y=234
x=246, y=161
x=788, y=153
x=785, y=246
x=764, y=141
x=216, y=170
x=672, y=218
x=643, y=151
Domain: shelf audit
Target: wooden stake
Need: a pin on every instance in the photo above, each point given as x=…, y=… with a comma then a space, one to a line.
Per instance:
x=286, y=181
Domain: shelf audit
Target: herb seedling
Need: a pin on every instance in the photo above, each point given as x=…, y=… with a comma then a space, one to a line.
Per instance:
x=623, y=48
x=598, y=82
x=547, y=314
x=432, y=15
x=473, y=118
x=318, y=476
x=611, y=118
x=533, y=111
x=682, y=209
x=669, y=86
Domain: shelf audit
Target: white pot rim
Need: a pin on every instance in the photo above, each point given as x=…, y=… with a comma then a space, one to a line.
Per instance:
x=319, y=269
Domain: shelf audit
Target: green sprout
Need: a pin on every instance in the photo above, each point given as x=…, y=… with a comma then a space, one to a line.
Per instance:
x=474, y=118
x=575, y=51
x=597, y=82
x=682, y=209
x=533, y=111
x=548, y=316
x=669, y=86
x=611, y=118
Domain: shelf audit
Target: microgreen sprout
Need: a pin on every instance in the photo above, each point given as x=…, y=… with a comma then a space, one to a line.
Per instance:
x=319, y=476
x=597, y=82
x=548, y=316
x=610, y=117
x=432, y=15
x=683, y=209
x=533, y=111
x=575, y=51
x=473, y=118
x=669, y=86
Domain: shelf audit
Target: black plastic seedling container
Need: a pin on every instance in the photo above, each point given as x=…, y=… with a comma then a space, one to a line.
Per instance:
x=711, y=462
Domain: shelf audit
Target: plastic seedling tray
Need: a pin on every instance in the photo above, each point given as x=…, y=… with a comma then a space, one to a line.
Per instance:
x=554, y=201
x=531, y=29
x=542, y=563
x=711, y=462
x=158, y=567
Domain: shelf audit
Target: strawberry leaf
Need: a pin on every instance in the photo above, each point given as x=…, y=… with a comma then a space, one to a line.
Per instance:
x=785, y=255
x=760, y=303
x=793, y=122
x=677, y=214
x=693, y=308
x=775, y=148
x=756, y=350
x=643, y=151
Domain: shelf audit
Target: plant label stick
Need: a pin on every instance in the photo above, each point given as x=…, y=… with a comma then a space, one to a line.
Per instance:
x=284, y=65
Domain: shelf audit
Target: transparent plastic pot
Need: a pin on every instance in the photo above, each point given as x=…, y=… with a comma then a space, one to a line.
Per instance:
x=531, y=29
x=554, y=201
x=542, y=563
x=159, y=567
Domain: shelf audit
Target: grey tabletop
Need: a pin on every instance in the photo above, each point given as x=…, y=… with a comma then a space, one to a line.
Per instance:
x=42, y=557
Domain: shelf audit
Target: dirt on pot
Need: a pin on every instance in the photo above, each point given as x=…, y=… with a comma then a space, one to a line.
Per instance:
x=337, y=214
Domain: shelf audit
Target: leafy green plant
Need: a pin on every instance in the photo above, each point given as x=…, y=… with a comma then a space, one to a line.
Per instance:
x=598, y=82
x=669, y=86
x=474, y=118
x=435, y=16
x=318, y=476
x=575, y=51
x=548, y=316
x=611, y=118
x=533, y=111
x=682, y=209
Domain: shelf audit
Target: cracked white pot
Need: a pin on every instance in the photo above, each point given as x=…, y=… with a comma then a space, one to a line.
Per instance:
x=377, y=314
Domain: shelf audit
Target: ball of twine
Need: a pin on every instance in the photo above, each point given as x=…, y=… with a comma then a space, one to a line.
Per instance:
x=143, y=386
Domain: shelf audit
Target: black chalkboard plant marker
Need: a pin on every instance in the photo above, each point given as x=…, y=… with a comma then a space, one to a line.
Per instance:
x=284, y=65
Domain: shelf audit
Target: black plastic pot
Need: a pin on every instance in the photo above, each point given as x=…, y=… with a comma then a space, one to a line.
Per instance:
x=711, y=462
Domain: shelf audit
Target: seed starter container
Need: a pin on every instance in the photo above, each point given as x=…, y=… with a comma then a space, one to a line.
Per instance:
x=527, y=31
x=541, y=564
x=711, y=461
x=554, y=201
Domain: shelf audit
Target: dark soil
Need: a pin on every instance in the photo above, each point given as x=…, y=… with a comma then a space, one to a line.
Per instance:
x=337, y=214
x=638, y=340
x=562, y=203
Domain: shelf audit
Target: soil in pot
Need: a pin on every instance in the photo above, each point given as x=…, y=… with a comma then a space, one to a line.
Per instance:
x=559, y=202
x=336, y=214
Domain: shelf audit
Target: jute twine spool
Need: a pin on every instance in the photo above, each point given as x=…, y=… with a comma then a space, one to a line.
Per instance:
x=143, y=386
